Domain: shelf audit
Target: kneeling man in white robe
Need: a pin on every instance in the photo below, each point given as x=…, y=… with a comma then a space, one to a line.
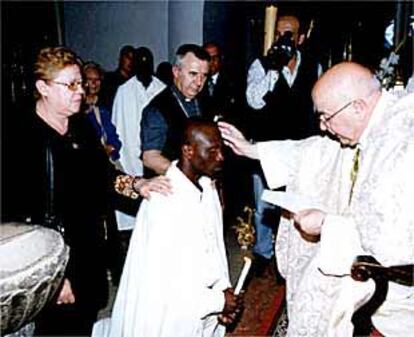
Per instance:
x=175, y=280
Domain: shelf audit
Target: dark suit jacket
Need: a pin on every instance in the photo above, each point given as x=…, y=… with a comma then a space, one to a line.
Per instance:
x=288, y=113
x=222, y=101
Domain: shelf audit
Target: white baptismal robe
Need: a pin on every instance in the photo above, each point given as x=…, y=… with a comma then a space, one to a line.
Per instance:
x=176, y=268
x=380, y=218
x=131, y=98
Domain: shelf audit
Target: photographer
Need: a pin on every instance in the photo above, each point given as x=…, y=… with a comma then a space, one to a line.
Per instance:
x=279, y=93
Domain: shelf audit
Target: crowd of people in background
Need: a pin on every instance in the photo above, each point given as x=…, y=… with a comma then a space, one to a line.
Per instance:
x=112, y=139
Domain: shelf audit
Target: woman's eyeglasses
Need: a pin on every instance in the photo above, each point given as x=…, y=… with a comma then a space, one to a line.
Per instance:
x=72, y=86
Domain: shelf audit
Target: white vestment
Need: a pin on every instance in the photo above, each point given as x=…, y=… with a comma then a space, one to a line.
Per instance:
x=176, y=268
x=131, y=98
x=379, y=221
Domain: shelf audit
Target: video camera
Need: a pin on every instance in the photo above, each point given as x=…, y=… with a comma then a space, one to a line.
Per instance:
x=281, y=52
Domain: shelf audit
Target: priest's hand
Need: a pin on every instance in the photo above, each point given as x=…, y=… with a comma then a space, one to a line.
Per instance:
x=310, y=222
x=236, y=141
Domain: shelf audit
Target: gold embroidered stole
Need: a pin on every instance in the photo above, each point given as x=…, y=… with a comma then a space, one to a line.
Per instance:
x=354, y=172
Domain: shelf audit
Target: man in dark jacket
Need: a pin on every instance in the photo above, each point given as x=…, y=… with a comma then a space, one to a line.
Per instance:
x=112, y=80
x=218, y=96
x=164, y=118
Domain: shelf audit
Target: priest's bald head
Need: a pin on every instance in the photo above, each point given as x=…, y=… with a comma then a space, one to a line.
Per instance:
x=345, y=97
x=201, y=150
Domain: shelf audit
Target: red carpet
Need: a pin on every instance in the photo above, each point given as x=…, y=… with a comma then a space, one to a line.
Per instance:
x=264, y=301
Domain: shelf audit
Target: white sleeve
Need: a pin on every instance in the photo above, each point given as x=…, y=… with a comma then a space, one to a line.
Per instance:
x=259, y=82
x=278, y=160
x=340, y=244
x=282, y=160
x=116, y=107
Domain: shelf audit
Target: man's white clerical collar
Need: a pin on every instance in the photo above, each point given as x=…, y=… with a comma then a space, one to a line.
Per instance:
x=180, y=95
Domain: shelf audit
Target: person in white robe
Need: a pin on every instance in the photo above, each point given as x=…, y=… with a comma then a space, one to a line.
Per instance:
x=175, y=280
x=130, y=100
x=368, y=212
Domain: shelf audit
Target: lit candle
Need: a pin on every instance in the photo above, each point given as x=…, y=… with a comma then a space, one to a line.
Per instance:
x=243, y=275
x=269, y=28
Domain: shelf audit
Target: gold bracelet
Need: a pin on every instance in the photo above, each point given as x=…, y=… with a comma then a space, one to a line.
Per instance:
x=124, y=185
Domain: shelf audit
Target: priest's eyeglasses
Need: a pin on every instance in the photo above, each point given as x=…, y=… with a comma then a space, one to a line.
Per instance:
x=72, y=86
x=324, y=119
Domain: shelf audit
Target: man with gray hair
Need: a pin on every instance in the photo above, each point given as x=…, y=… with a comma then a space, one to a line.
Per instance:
x=164, y=118
x=356, y=188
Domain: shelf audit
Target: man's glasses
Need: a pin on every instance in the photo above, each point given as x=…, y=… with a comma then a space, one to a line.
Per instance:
x=324, y=119
x=72, y=86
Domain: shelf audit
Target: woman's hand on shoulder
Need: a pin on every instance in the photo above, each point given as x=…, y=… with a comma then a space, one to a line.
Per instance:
x=160, y=184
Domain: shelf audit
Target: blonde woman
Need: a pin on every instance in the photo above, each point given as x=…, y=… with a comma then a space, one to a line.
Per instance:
x=66, y=180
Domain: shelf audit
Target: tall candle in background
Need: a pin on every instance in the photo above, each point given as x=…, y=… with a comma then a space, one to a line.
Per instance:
x=269, y=28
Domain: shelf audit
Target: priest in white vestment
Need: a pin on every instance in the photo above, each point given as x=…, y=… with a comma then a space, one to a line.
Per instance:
x=362, y=175
x=130, y=100
x=175, y=281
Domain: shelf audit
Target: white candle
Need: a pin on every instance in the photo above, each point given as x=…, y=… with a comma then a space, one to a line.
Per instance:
x=243, y=275
x=269, y=27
